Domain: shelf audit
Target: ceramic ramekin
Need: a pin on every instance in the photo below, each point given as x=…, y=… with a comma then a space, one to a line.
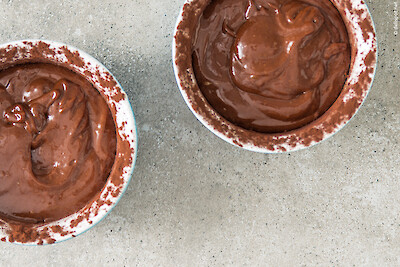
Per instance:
x=32, y=51
x=361, y=32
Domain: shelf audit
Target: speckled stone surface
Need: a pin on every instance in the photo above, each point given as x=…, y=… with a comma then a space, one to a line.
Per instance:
x=197, y=201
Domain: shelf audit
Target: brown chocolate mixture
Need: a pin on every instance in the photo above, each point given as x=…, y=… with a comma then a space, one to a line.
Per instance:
x=271, y=65
x=57, y=142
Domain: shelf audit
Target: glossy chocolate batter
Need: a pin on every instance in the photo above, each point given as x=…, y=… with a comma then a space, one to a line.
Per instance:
x=271, y=65
x=57, y=142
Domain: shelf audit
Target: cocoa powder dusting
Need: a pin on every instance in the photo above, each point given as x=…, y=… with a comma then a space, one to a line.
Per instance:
x=73, y=57
x=59, y=230
x=27, y=234
x=77, y=221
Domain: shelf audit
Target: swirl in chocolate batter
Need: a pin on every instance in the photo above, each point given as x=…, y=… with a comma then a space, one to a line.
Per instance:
x=271, y=65
x=57, y=143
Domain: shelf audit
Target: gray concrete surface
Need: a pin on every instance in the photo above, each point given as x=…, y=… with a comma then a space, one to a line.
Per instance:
x=198, y=201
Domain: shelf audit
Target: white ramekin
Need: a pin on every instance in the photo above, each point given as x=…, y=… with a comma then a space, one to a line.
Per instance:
x=361, y=32
x=32, y=51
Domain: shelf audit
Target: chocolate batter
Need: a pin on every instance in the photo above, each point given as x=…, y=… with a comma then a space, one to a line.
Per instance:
x=271, y=65
x=57, y=142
